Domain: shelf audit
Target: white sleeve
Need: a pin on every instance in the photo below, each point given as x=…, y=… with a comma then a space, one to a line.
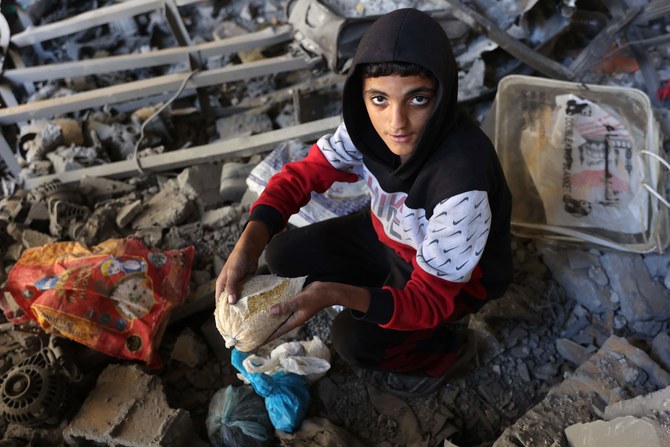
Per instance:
x=456, y=236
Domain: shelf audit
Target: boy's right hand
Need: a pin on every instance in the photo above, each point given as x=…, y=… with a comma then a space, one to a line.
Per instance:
x=242, y=262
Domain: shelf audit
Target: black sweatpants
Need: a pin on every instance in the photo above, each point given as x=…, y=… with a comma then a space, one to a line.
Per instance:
x=347, y=250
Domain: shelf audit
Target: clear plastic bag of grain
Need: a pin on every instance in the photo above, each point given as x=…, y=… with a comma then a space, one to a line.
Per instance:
x=246, y=324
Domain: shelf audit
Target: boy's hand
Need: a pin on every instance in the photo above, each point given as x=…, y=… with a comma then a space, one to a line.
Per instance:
x=242, y=262
x=316, y=296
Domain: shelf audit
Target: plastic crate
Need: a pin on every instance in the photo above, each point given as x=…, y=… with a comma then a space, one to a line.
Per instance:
x=582, y=162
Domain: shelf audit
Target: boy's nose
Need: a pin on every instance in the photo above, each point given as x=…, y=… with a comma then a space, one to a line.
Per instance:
x=397, y=118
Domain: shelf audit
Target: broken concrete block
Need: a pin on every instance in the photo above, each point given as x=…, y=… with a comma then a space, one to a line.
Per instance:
x=189, y=349
x=639, y=406
x=98, y=227
x=616, y=366
x=31, y=238
x=128, y=408
x=151, y=236
x=221, y=217
x=660, y=349
x=127, y=213
x=47, y=138
x=38, y=213
x=571, y=351
x=577, y=283
x=165, y=210
x=100, y=188
x=201, y=182
x=641, y=298
x=234, y=181
x=241, y=124
x=620, y=432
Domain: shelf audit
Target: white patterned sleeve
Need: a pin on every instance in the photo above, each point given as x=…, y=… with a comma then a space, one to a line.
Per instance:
x=456, y=236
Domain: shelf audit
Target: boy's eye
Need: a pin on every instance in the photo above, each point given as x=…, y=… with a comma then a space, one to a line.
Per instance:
x=420, y=100
x=378, y=100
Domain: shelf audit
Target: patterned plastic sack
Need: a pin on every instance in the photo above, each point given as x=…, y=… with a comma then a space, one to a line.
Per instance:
x=114, y=297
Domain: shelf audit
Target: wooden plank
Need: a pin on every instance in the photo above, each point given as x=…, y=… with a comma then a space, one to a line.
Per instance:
x=235, y=147
x=268, y=36
x=88, y=19
x=148, y=87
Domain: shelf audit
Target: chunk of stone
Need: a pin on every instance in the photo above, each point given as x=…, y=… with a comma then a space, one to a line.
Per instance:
x=189, y=349
x=234, y=181
x=201, y=183
x=220, y=217
x=641, y=298
x=128, y=408
x=577, y=283
x=103, y=188
x=166, y=209
x=620, y=432
x=660, y=349
x=571, y=351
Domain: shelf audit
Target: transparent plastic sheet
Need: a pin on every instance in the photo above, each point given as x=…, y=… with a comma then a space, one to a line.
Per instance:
x=582, y=162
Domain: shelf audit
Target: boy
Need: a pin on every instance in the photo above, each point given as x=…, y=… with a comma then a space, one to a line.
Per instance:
x=435, y=243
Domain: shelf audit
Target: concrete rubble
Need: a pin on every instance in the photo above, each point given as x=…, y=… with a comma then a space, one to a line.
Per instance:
x=577, y=352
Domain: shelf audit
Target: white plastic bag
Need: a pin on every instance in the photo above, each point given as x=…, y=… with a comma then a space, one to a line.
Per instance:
x=585, y=172
x=309, y=358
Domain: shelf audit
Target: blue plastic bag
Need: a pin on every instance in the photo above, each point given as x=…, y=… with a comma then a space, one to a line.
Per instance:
x=286, y=394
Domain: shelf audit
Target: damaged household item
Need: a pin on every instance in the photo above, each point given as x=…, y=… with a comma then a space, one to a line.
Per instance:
x=340, y=199
x=237, y=418
x=286, y=394
x=37, y=392
x=322, y=32
x=583, y=163
x=114, y=297
x=246, y=324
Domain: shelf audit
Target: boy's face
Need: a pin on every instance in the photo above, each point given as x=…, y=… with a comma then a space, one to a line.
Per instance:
x=399, y=108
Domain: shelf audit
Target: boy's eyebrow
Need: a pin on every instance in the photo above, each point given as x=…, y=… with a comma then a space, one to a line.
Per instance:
x=413, y=91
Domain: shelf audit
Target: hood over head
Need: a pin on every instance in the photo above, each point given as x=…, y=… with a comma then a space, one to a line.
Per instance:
x=411, y=36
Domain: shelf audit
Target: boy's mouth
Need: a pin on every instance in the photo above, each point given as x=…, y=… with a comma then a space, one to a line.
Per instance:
x=400, y=138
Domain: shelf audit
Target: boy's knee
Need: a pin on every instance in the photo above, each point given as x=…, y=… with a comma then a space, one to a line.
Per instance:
x=346, y=342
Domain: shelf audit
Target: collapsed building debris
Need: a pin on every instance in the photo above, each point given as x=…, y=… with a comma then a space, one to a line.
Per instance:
x=143, y=119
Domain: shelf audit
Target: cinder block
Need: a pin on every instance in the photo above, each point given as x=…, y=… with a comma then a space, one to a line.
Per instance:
x=128, y=408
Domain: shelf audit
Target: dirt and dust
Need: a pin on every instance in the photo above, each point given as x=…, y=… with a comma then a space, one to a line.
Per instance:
x=525, y=335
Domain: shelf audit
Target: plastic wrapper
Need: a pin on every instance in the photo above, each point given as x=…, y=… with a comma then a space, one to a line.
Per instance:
x=286, y=394
x=237, y=418
x=114, y=297
x=309, y=358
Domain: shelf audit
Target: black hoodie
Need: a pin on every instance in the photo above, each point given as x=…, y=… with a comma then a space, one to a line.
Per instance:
x=445, y=211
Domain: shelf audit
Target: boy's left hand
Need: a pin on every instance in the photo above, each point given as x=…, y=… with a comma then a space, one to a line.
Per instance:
x=302, y=307
x=316, y=296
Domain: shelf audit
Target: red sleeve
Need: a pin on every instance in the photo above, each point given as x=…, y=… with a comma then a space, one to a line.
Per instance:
x=291, y=188
x=426, y=301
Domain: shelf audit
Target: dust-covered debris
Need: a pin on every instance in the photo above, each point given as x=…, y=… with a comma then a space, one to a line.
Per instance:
x=580, y=337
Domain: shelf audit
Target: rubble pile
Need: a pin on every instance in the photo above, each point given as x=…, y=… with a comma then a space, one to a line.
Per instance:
x=577, y=349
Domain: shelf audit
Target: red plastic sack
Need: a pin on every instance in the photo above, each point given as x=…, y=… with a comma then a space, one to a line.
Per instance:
x=114, y=297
